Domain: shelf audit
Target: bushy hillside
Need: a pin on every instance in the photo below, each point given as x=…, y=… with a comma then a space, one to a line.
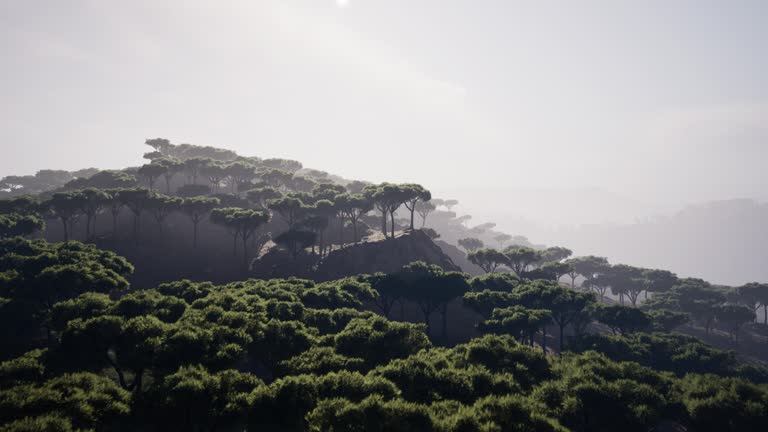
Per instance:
x=255, y=294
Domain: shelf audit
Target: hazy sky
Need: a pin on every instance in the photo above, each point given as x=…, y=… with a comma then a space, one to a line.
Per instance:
x=637, y=104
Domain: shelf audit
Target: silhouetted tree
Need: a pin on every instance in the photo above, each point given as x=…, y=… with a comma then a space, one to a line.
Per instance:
x=152, y=172
x=471, y=244
x=413, y=195
x=197, y=208
x=488, y=259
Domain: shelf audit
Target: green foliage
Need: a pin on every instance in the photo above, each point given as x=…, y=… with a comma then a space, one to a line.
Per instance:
x=82, y=400
x=488, y=259
x=378, y=340
x=723, y=404
x=622, y=319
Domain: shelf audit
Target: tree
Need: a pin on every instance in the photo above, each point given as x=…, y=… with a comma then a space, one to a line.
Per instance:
x=424, y=208
x=35, y=275
x=659, y=281
x=432, y=288
x=215, y=173
x=14, y=224
x=622, y=319
x=413, y=195
x=471, y=244
x=243, y=223
x=161, y=206
x=555, y=254
x=277, y=179
x=586, y=266
x=502, y=238
x=290, y=209
x=91, y=202
x=449, y=204
x=152, y=172
x=520, y=258
x=488, y=259
x=626, y=280
x=261, y=196
x=172, y=167
x=755, y=295
x=193, y=190
x=378, y=340
x=136, y=201
x=518, y=321
x=666, y=320
x=193, y=168
x=733, y=317
x=239, y=172
x=387, y=198
x=354, y=207
x=567, y=306
x=114, y=205
x=198, y=208
x=66, y=207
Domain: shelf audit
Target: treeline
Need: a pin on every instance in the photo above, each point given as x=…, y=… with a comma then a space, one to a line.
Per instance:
x=240, y=194
x=291, y=354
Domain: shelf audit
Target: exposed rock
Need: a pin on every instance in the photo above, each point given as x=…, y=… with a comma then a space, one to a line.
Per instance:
x=373, y=254
x=459, y=258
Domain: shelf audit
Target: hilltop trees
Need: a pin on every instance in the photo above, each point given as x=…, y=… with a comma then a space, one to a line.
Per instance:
x=151, y=172
x=172, y=167
x=414, y=194
x=755, y=295
x=387, y=198
x=353, y=207
x=424, y=208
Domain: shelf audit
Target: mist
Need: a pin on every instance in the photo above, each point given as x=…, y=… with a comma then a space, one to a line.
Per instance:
x=547, y=119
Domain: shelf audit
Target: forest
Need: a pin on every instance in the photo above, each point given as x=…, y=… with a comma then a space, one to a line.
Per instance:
x=210, y=291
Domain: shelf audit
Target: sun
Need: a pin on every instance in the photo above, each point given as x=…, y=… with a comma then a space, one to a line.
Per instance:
x=342, y=3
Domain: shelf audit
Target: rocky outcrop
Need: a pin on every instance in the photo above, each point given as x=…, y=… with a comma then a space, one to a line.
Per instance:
x=384, y=255
x=373, y=254
x=459, y=258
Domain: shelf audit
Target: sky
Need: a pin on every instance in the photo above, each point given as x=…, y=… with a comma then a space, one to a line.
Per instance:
x=560, y=112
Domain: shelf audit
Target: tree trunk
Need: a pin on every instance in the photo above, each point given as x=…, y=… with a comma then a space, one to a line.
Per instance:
x=562, y=337
x=168, y=185
x=354, y=229
x=573, y=282
x=444, y=313
x=384, y=223
x=392, y=216
x=412, y=210
x=194, y=233
x=114, y=224
x=88, y=221
x=66, y=229
x=341, y=231
x=245, y=250
x=234, y=245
